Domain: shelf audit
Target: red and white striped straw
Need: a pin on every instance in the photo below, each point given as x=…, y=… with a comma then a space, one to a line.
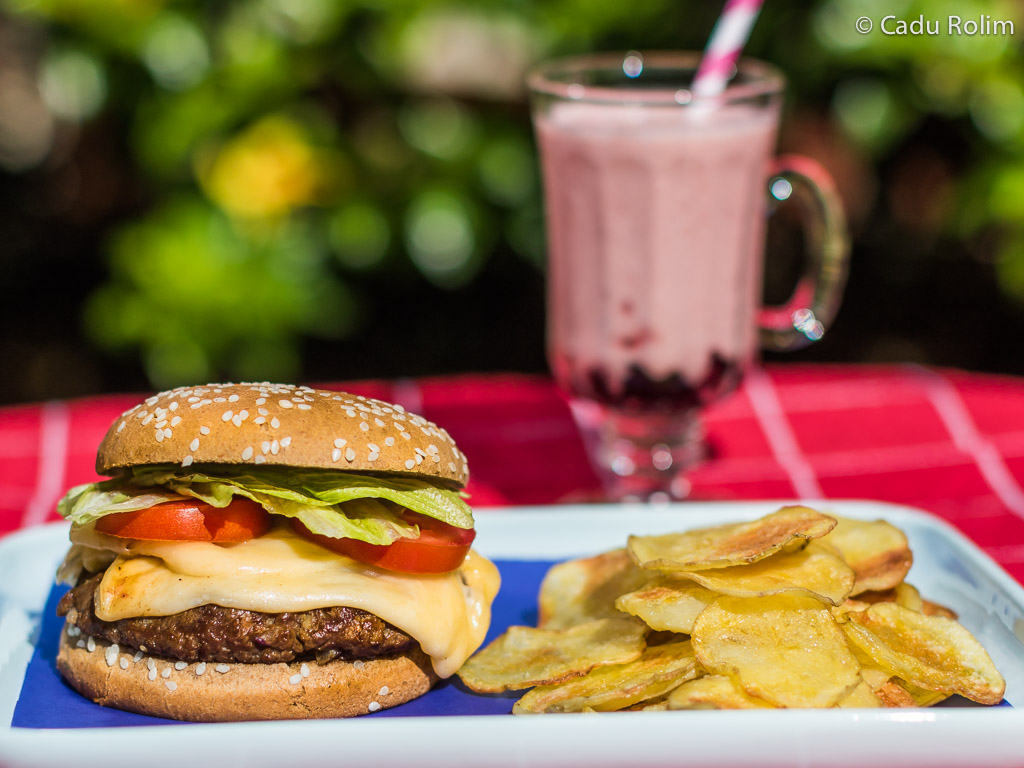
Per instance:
x=730, y=34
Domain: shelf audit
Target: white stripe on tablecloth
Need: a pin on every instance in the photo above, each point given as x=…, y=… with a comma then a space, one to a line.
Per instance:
x=954, y=415
x=781, y=439
x=53, y=451
x=407, y=393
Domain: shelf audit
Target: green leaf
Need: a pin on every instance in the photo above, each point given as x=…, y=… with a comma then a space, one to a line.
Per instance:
x=335, y=504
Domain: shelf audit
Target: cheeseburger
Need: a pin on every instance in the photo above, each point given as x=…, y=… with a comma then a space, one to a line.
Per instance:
x=265, y=551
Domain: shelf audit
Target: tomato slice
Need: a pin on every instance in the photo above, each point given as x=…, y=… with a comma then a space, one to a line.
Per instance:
x=190, y=520
x=440, y=547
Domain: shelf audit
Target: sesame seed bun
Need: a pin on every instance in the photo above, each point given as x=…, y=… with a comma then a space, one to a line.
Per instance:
x=279, y=425
x=232, y=692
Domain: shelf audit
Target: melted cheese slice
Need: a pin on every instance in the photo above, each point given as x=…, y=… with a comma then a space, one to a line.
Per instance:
x=448, y=614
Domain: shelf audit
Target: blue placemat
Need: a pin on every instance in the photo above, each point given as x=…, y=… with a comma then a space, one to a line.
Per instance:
x=46, y=701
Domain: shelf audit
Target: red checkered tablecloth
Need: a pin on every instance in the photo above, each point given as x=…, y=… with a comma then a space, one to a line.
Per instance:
x=948, y=442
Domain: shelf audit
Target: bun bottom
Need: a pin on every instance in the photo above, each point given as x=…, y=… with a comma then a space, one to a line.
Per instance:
x=232, y=692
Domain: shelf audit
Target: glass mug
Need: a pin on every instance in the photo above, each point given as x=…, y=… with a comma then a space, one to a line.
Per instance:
x=656, y=208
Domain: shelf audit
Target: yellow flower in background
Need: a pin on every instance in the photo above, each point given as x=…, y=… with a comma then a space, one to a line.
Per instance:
x=269, y=169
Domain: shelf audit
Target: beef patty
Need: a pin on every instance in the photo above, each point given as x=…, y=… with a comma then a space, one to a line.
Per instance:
x=214, y=633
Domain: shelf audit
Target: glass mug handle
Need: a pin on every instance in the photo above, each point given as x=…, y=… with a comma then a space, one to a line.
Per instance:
x=805, y=317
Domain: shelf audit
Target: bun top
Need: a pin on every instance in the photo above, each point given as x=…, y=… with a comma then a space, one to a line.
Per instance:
x=279, y=425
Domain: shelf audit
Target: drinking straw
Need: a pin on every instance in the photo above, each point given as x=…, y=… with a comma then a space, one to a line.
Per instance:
x=730, y=34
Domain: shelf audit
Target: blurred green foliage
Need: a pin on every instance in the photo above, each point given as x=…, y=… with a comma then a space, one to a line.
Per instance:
x=286, y=147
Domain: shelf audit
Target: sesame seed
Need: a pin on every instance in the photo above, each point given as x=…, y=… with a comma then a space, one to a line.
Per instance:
x=374, y=455
x=180, y=665
x=226, y=416
x=187, y=461
x=274, y=447
x=374, y=706
x=90, y=644
x=247, y=453
x=340, y=442
x=80, y=644
x=123, y=663
x=237, y=420
x=263, y=412
x=285, y=403
x=364, y=426
x=304, y=407
x=222, y=668
x=265, y=446
x=358, y=664
x=389, y=440
x=111, y=654
x=159, y=435
x=259, y=420
x=150, y=663
x=168, y=433
x=152, y=674
x=160, y=424
x=171, y=685
x=173, y=406
x=176, y=421
x=378, y=422
x=336, y=454
x=384, y=691
x=304, y=670
x=121, y=426
x=436, y=458
x=261, y=460
x=374, y=448
x=350, y=454
x=194, y=445
x=419, y=459
x=409, y=464
x=73, y=631
x=137, y=657
x=233, y=399
x=200, y=668
x=286, y=441
x=295, y=679
x=204, y=430
x=193, y=399
x=165, y=673
x=407, y=436
x=196, y=405
x=275, y=423
x=261, y=401
x=350, y=414
x=220, y=399
x=431, y=449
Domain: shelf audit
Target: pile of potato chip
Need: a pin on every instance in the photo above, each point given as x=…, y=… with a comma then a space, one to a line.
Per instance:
x=796, y=609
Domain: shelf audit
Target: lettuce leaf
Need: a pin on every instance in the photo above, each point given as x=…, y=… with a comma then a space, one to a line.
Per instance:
x=340, y=505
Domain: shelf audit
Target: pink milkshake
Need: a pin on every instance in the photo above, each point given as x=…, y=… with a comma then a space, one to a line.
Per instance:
x=656, y=230
x=656, y=209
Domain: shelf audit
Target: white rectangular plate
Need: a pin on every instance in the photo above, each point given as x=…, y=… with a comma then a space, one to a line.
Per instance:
x=947, y=568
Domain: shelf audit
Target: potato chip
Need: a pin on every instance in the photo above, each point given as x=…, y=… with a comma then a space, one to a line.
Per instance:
x=524, y=656
x=928, y=608
x=668, y=604
x=877, y=551
x=655, y=673
x=811, y=571
x=894, y=696
x=930, y=652
x=786, y=649
x=729, y=545
x=861, y=697
x=713, y=692
x=585, y=589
